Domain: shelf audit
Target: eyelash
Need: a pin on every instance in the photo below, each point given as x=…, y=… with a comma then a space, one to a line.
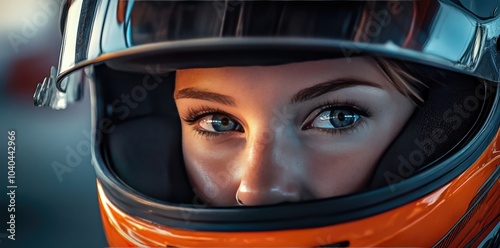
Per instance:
x=194, y=115
x=349, y=104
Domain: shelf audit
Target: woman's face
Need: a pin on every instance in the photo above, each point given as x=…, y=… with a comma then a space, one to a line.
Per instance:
x=294, y=132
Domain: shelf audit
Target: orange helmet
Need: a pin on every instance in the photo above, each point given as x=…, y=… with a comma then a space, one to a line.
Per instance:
x=436, y=185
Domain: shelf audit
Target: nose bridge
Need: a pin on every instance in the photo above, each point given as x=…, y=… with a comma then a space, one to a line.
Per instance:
x=272, y=160
x=261, y=146
x=271, y=147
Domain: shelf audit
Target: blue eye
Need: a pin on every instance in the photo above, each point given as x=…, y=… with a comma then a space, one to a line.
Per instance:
x=335, y=118
x=219, y=123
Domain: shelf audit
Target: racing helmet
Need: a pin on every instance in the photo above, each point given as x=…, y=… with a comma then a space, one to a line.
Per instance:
x=437, y=184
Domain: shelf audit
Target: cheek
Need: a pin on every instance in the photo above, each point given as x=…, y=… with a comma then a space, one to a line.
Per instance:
x=343, y=165
x=213, y=174
x=341, y=170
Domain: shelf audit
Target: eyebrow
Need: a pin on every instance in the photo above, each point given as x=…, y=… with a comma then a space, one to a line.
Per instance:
x=301, y=96
x=205, y=95
x=323, y=88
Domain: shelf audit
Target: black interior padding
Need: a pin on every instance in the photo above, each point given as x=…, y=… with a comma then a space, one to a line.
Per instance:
x=142, y=151
x=143, y=148
x=453, y=111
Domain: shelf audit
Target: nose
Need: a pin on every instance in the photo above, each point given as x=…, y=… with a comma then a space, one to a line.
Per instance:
x=273, y=169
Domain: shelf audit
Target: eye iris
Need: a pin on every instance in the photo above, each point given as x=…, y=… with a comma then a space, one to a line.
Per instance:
x=222, y=123
x=342, y=118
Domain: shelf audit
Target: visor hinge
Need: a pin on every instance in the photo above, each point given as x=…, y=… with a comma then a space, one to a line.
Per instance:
x=47, y=94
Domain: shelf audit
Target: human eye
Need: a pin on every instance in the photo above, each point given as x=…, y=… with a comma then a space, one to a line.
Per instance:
x=211, y=122
x=218, y=123
x=335, y=118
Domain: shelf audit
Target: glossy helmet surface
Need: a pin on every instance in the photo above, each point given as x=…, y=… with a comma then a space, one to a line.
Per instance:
x=443, y=166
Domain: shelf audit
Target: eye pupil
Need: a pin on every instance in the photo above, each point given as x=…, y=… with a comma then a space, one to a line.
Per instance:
x=341, y=116
x=225, y=121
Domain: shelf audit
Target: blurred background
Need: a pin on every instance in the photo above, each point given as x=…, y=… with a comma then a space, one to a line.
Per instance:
x=51, y=211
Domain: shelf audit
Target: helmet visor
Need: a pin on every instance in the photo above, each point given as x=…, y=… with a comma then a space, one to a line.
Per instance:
x=187, y=34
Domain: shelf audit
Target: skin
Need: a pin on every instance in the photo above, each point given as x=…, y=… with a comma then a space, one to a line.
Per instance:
x=275, y=154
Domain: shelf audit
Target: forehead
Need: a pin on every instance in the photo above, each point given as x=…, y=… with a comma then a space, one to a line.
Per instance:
x=302, y=73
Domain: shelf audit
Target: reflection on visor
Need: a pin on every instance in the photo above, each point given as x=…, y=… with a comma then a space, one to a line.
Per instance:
x=371, y=22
